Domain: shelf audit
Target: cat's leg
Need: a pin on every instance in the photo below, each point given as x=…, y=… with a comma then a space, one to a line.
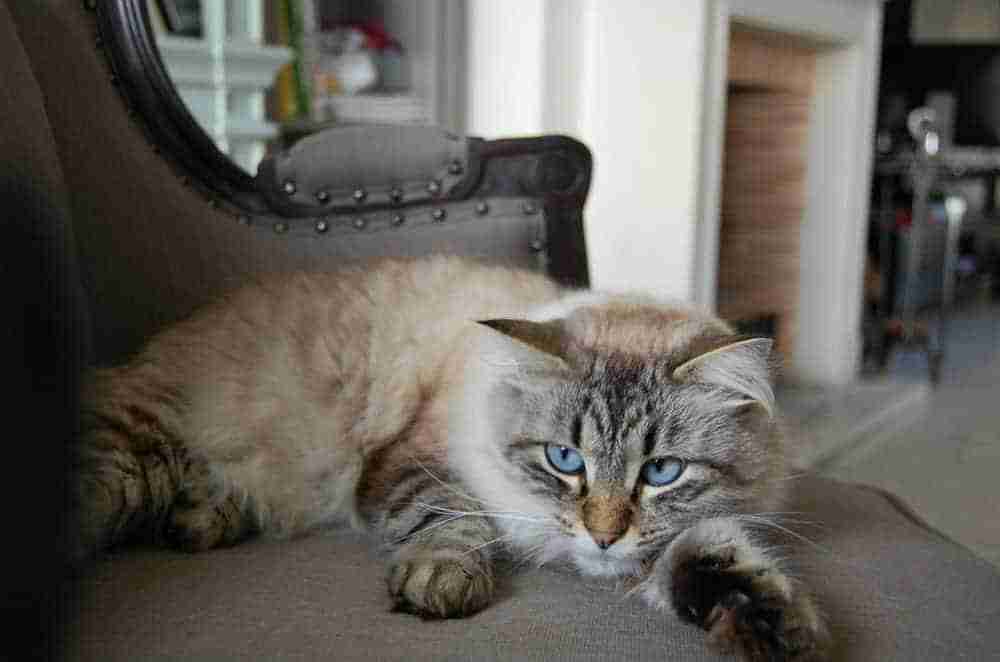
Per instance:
x=134, y=478
x=207, y=513
x=123, y=482
x=442, y=550
x=717, y=577
x=440, y=571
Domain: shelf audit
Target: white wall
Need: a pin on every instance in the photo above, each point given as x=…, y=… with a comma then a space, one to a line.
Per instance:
x=643, y=72
x=623, y=77
x=506, y=58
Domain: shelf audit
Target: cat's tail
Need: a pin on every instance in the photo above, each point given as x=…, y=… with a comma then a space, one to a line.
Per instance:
x=128, y=464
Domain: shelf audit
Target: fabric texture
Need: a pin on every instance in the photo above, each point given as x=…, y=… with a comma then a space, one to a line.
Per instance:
x=42, y=350
x=893, y=590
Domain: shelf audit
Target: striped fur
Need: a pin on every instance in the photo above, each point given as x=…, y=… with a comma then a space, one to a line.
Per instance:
x=370, y=394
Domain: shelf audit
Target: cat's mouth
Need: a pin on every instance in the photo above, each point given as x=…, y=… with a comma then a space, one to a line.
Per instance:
x=619, y=560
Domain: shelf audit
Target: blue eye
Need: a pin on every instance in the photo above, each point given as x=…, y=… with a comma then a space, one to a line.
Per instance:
x=564, y=459
x=662, y=471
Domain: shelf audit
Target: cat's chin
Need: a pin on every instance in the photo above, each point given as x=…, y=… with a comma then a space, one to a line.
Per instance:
x=601, y=564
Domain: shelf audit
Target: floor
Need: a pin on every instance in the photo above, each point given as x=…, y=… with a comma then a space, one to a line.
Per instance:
x=936, y=447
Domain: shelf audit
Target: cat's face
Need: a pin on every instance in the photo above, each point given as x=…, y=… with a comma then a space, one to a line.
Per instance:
x=604, y=462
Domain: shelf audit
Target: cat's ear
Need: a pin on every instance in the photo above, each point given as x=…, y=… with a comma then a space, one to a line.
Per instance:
x=741, y=365
x=532, y=344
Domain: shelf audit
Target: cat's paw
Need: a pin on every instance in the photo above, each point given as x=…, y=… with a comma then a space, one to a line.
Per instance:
x=195, y=529
x=440, y=586
x=748, y=608
x=198, y=527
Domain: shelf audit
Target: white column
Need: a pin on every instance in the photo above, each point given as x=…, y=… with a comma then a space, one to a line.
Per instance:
x=640, y=114
x=505, y=63
x=625, y=78
x=213, y=13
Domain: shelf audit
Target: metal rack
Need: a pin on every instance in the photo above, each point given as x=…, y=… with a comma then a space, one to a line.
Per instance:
x=917, y=263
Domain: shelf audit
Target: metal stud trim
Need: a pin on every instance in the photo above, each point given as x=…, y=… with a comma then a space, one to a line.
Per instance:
x=335, y=225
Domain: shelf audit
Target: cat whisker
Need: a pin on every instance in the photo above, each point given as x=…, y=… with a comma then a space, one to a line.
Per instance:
x=491, y=515
x=427, y=529
x=503, y=538
x=524, y=555
x=446, y=485
x=792, y=555
x=533, y=552
x=766, y=522
x=777, y=517
x=481, y=513
x=527, y=556
x=801, y=522
x=781, y=517
x=779, y=512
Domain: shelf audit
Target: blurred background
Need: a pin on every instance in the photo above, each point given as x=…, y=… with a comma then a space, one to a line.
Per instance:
x=822, y=171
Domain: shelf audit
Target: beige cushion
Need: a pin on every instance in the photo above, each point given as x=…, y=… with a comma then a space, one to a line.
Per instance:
x=894, y=590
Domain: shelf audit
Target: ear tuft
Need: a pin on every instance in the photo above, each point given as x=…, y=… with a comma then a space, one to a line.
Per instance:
x=741, y=365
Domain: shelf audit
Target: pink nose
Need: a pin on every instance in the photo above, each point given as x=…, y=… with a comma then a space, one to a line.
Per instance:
x=605, y=539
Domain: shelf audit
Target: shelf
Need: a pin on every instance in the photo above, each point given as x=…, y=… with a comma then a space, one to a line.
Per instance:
x=245, y=64
x=187, y=59
x=955, y=162
x=239, y=128
x=376, y=108
x=253, y=65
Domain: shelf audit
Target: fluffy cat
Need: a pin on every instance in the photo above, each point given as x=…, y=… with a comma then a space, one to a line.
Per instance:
x=463, y=414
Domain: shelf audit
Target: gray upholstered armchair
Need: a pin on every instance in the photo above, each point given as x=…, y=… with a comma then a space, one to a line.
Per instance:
x=112, y=233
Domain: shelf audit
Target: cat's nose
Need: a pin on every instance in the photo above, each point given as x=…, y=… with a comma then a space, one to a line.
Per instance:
x=605, y=539
x=606, y=517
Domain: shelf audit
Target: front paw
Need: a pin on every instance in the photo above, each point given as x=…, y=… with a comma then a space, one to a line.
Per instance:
x=440, y=585
x=748, y=608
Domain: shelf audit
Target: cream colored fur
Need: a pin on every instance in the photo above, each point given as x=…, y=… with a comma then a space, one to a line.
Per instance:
x=292, y=382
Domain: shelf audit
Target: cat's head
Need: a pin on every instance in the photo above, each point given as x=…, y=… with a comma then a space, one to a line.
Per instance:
x=597, y=432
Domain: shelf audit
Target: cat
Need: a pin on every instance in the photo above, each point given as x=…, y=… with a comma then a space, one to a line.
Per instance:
x=462, y=413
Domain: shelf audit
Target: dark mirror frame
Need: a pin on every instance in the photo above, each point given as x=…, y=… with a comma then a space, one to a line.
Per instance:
x=127, y=39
